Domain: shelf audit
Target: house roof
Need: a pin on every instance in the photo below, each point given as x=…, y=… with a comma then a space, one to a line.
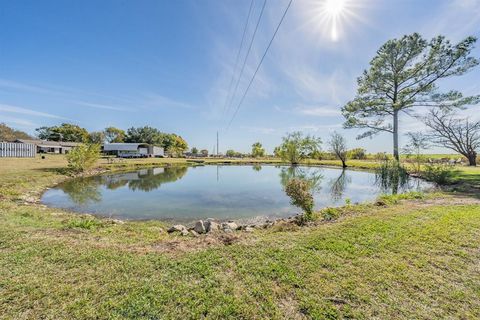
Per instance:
x=123, y=146
x=48, y=144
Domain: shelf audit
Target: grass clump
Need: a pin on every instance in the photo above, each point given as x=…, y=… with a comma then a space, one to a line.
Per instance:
x=85, y=223
x=329, y=214
x=388, y=199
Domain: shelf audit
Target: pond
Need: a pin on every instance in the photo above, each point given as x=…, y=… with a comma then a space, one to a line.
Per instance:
x=243, y=193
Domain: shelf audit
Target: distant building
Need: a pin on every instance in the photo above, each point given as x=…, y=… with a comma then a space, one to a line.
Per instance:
x=133, y=150
x=44, y=146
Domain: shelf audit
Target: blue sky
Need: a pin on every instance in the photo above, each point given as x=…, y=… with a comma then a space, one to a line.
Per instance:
x=168, y=64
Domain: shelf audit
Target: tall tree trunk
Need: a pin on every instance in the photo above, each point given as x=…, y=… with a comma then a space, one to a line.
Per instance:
x=344, y=165
x=395, y=136
x=472, y=159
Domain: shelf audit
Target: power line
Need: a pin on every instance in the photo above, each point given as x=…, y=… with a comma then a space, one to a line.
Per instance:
x=248, y=53
x=259, y=64
x=237, y=59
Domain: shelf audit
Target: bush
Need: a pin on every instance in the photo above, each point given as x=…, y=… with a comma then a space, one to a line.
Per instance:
x=391, y=175
x=439, y=173
x=83, y=157
x=301, y=196
x=357, y=154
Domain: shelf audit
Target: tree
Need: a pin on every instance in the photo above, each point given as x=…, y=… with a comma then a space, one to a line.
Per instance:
x=296, y=147
x=357, y=153
x=64, y=132
x=174, y=144
x=417, y=142
x=97, y=137
x=145, y=134
x=83, y=157
x=458, y=134
x=403, y=76
x=338, y=146
x=114, y=135
x=204, y=152
x=230, y=153
x=10, y=134
x=194, y=151
x=258, y=150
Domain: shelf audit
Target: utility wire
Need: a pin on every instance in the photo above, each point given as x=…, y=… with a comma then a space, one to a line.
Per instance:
x=246, y=56
x=237, y=59
x=259, y=64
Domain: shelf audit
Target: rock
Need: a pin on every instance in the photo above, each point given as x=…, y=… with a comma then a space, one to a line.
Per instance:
x=228, y=230
x=249, y=229
x=194, y=233
x=200, y=227
x=229, y=226
x=211, y=225
x=177, y=228
x=184, y=232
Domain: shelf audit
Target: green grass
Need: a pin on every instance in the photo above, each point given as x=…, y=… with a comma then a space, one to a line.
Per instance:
x=415, y=257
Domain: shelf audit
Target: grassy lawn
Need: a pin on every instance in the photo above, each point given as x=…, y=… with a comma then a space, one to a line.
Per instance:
x=417, y=259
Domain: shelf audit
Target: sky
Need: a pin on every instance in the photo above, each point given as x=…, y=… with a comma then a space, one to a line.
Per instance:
x=169, y=64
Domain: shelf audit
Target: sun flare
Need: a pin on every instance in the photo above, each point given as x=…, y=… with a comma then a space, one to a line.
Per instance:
x=334, y=7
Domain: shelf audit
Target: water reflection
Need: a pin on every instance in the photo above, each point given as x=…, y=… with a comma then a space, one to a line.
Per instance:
x=338, y=185
x=85, y=190
x=256, y=167
x=312, y=175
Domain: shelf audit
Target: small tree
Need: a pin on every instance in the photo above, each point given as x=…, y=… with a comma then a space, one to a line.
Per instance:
x=297, y=147
x=301, y=196
x=204, y=152
x=417, y=142
x=357, y=153
x=258, y=150
x=458, y=134
x=194, y=151
x=338, y=146
x=83, y=157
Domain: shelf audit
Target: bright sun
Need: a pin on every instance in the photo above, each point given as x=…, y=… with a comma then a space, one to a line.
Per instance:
x=334, y=7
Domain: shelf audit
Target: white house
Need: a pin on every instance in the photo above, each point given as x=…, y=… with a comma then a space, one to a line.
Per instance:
x=44, y=146
x=133, y=150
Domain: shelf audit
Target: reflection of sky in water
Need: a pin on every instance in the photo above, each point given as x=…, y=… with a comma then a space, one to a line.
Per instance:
x=224, y=192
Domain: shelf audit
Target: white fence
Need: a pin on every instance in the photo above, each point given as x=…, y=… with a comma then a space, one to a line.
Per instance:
x=17, y=150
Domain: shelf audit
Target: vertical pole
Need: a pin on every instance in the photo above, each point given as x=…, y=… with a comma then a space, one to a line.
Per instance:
x=217, y=143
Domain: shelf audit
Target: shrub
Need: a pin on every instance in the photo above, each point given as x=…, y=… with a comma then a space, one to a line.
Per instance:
x=83, y=157
x=391, y=175
x=301, y=196
x=439, y=173
x=357, y=154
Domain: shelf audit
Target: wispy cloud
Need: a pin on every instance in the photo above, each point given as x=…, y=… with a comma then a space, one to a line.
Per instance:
x=18, y=122
x=25, y=111
x=102, y=106
x=325, y=111
x=316, y=128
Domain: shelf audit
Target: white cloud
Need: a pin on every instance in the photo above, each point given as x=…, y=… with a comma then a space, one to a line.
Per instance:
x=261, y=130
x=25, y=111
x=316, y=128
x=325, y=111
x=101, y=106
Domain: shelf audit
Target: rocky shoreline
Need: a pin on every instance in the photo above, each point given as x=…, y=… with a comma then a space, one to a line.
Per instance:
x=211, y=226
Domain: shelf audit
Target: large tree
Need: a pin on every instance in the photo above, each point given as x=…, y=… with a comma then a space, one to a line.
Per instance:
x=10, y=134
x=64, y=132
x=455, y=133
x=172, y=143
x=403, y=76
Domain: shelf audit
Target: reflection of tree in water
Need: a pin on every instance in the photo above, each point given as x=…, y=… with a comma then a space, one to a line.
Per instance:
x=256, y=167
x=83, y=190
x=149, y=181
x=338, y=185
x=312, y=175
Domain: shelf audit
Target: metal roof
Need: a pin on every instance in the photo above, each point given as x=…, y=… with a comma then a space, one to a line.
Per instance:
x=123, y=146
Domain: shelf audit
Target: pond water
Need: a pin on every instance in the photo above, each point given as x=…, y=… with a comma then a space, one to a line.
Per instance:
x=185, y=194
